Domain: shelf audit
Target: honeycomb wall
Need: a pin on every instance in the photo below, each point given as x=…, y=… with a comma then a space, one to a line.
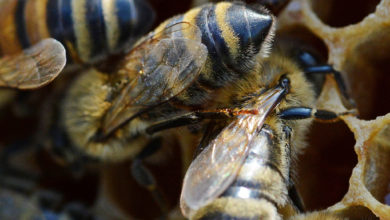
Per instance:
x=356, y=35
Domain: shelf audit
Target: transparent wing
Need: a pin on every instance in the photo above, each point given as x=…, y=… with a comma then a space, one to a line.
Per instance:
x=217, y=165
x=161, y=68
x=33, y=67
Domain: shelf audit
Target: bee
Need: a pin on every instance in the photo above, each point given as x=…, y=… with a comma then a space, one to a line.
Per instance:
x=105, y=116
x=176, y=67
x=15, y=206
x=245, y=166
x=89, y=30
x=21, y=192
x=181, y=74
x=41, y=205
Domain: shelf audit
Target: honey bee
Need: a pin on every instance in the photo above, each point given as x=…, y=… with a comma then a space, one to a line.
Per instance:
x=40, y=206
x=245, y=166
x=16, y=206
x=169, y=71
x=209, y=63
x=176, y=67
x=243, y=170
x=89, y=30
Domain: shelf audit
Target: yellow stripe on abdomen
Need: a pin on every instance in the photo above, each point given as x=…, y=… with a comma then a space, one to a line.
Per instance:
x=237, y=208
x=35, y=19
x=111, y=23
x=228, y=35
x=190, y=17
x=9, y=41
x=83, y=38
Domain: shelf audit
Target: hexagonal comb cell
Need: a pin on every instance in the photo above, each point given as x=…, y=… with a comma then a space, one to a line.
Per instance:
x=356, y=35
x=343, y=13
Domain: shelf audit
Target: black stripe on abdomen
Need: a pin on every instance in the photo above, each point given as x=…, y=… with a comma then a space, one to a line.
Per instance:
x=53, y=20
x=219, y=74
x=60, y=22
x=20, y=24
x=247, y=193
x=126, y=20
x=221, y=49
x=96, y=27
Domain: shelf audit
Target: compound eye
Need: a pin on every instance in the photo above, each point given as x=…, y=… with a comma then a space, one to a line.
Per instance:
x=285, y=82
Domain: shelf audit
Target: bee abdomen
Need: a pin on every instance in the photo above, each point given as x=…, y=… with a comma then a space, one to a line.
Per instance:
x=135, y=17
x=234, y=35
x=98, y=28
x=225, y=216
x=261, y=184
x=91, y=30
x=229, y=208
x=248, y=199
x=248, y=189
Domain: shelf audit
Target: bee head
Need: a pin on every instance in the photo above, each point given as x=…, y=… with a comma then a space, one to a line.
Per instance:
x=304, y=52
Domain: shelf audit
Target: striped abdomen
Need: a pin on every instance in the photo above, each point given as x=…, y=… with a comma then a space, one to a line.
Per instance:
x=234, y=34
x=261, y=184
x=89, y=29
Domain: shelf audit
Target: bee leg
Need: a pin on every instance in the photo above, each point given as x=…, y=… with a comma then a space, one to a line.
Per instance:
x=292, y=190
x=296, y=113
x=144, y=176
x=66, y=155
x=328, y=69
x=186, y=119
x=196, y=117
x=296, y=198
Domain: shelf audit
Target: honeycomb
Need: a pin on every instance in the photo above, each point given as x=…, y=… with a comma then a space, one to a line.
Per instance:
x=356, y=37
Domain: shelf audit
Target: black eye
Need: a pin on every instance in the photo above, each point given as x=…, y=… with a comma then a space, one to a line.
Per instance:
x=284, y=82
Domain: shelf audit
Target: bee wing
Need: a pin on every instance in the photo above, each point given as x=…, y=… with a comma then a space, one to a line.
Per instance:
x=162, y=67
x=33, y=67
x=217, y=165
